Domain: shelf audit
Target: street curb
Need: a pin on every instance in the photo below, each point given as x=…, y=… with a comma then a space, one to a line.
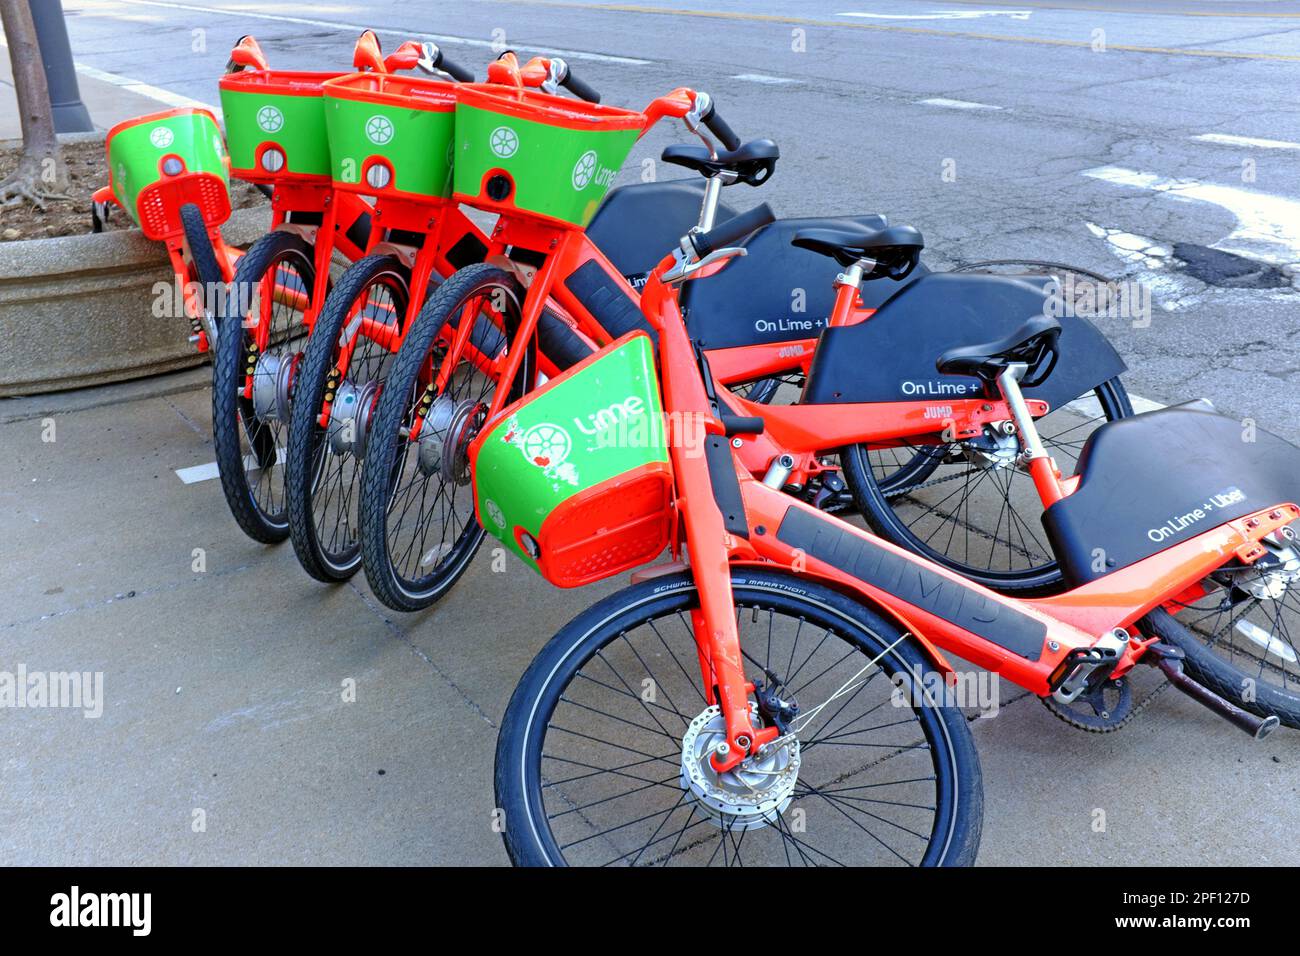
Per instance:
x=24, y=408
x=78, y=310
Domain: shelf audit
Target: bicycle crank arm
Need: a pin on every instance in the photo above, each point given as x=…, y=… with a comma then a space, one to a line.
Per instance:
x=1170, y=662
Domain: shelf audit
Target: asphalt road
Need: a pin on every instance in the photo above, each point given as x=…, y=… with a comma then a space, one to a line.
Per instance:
x=845, y=98
x=1000, y=130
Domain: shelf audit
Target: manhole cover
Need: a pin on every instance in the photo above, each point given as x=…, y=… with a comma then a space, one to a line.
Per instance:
x=1227, y=269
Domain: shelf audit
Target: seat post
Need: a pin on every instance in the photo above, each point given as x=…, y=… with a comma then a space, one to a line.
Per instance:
x=1041, y=467
x=847, y=285
x=709, y=206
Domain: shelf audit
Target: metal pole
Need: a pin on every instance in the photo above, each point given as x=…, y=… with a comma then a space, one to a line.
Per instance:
x=70, y=114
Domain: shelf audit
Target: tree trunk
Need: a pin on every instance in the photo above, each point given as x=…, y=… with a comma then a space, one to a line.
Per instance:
x=40, y=174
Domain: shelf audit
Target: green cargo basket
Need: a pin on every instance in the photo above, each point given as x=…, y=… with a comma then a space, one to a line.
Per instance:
x=575, y=477
x=390, y=135
x=525, y=151
x=160, y=162
x=275, y=125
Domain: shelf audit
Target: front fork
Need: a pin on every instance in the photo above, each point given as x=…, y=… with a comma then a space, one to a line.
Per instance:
x=717, y=635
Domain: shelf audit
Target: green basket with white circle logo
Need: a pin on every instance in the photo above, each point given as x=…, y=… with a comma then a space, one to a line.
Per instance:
x=524, y=151
x=390, y=135
x=575, y=477
x=162, y=161
x=275, y=126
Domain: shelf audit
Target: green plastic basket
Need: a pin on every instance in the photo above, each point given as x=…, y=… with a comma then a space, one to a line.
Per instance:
x=150, y=188
x=575, y=477
x=390, y=135
x=525, y=151
x=275, y=125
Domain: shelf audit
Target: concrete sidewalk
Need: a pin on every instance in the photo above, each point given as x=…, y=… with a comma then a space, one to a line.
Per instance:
x=230, y=733
x=108, y=102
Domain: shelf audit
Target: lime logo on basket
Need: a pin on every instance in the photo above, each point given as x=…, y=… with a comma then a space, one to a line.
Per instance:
x=379, y=130
x=546, y=445
x=270, y=119
x=494, y=512
x=584, y=170
x=504, y=142
x=161, y=137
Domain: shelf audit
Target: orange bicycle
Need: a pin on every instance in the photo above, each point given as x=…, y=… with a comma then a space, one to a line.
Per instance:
x=783, y=697
x=418, y=527
x=276, y=127
x=168, y=171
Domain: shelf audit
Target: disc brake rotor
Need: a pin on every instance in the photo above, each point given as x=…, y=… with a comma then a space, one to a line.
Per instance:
x=1268, y=578
x=752, y=795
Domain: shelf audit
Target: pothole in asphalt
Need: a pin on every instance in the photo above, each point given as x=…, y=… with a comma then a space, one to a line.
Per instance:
x=1227, y=269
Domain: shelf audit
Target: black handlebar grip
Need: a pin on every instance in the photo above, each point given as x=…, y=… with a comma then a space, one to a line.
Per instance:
x=719, y=128
x=578, y=88
x=734, y=229
x=455, y=70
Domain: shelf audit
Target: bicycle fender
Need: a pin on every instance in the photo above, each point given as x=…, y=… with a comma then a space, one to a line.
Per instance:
x=891, y=356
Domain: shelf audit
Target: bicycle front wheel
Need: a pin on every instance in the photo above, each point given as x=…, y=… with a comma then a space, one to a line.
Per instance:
x=339, y=381
x=603, y=754
x=418, y=529
x=252, y=384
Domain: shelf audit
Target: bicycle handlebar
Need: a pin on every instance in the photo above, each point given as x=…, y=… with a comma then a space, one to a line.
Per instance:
x=539, y=73
x=719, y=128
x=454, y=70
x=246, y=54
x=577, y=87
x=733, y=230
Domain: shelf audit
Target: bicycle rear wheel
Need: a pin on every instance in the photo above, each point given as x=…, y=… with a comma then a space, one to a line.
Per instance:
x=970, y=505
x=1242, y=639
x=603, y=752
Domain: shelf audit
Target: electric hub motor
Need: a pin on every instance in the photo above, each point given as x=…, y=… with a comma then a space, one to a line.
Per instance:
x=445, y=437
x=748, y=797
x=272, y=381
x=350, y=418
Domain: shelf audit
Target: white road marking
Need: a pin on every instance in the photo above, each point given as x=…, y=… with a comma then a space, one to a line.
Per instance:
x=1268, y=227
x=1250, y=142
x=244, y=13
x=1149, y=259
x=145, y=89
x=943, y=15
x=957, y=104
x=197, y=473
x=763, y=78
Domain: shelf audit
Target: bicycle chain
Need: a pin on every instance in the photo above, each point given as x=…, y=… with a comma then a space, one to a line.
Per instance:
x=928, y=484
x=1111, y=728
